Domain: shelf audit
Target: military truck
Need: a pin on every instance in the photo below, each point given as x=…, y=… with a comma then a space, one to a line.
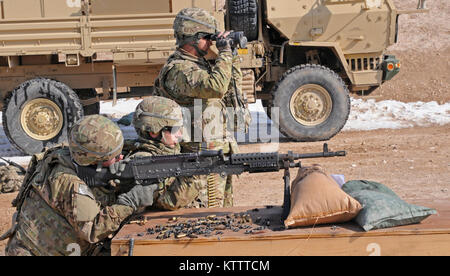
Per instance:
x=60, y=58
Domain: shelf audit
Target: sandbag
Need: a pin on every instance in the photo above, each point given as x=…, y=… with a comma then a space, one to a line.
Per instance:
x=317, y=199
x=382, y=208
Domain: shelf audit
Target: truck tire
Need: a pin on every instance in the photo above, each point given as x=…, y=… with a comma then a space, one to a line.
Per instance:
x=243, y=16
x=39, y=113
x=313, y=102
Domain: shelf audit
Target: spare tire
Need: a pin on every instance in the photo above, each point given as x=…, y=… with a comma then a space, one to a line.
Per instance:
x=39, y=114
x=243, y=16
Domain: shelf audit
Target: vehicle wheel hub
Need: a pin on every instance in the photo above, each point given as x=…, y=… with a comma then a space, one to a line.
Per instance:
x=41, y=119
x=311, y=105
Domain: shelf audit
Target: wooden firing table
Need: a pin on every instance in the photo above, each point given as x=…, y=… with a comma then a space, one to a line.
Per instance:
x=431, y=237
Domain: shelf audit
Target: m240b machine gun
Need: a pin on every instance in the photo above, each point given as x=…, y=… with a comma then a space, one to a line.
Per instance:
x=152, y=170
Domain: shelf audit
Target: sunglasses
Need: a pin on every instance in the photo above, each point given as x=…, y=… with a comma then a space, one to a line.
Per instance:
x=173, y=129
x=205, y=36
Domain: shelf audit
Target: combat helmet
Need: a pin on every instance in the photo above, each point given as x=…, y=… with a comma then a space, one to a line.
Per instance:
x=95, y=139
x=190, y=22
x=155, y=113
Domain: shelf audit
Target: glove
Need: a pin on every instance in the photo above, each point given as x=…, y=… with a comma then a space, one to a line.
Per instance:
x=139, y=196
x=223, y=44
x=118, y=167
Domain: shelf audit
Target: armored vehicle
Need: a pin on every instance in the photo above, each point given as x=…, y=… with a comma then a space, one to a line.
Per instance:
x=60, y=58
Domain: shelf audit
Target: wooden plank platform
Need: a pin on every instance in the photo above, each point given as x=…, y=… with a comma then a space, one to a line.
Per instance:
x=431, y=237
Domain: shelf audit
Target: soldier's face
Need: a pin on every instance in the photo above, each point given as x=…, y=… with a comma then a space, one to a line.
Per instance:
x=204, y=44
x=172, y=138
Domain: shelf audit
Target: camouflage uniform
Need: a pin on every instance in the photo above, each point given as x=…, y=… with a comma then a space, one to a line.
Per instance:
x=10, y=179
x=185, y=78
x=57, y=213
x=175, y=192
x=152, y=115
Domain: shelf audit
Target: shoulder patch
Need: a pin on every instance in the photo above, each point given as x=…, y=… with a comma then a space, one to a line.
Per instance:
x=86, y=209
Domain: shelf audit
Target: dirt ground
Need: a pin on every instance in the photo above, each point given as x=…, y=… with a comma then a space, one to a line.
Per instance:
x=414, y=162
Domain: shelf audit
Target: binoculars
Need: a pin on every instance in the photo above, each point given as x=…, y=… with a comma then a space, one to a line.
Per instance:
x=238, y=39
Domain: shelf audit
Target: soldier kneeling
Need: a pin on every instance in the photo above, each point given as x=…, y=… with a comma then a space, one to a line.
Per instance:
x=57, y=213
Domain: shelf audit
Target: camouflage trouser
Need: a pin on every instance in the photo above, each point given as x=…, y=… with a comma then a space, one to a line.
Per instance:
x=216, y=190
x=16, y=248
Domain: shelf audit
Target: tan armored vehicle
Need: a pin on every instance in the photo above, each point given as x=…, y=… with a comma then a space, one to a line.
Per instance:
x=60, y=58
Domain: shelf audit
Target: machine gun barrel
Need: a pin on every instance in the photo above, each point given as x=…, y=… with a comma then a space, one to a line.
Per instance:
x=325, y=153
x=151, y=170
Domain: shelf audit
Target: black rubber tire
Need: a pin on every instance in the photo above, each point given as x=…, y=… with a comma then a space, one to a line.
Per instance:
x=84, y=94
x=243, y=16
x=331, y=82
x=62, y=95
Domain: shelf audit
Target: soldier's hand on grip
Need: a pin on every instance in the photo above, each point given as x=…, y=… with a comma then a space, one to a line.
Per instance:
x=118, y=167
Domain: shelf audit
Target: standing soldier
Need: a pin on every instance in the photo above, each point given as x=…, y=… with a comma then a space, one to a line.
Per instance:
x=159, y=124
x=57, y=213
x=188, y=76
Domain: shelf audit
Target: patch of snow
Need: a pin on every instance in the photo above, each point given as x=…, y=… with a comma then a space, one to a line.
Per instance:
x=365, y=115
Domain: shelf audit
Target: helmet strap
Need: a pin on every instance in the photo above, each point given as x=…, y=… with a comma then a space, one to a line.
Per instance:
x=193, y=41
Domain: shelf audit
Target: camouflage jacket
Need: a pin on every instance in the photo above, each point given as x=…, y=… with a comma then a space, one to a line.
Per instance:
x=10, y=179
x=186, y=78
x=175, y=192
x=59, y=214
